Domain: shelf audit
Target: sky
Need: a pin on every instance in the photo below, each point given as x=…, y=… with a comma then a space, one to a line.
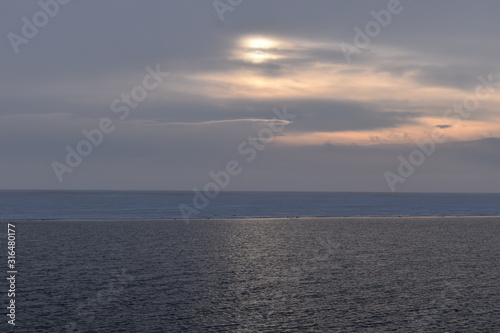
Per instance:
x=376, y=95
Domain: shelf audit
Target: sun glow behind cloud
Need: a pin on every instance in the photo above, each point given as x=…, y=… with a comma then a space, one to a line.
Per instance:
x=257, y=49
x=258, y=43
x=271, y=68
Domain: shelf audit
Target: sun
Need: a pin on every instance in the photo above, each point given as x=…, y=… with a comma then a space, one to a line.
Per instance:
x=259, y=43
x=258, y=49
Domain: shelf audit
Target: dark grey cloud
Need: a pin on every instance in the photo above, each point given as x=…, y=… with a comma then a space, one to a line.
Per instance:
x=464, y=77
x=129, y=160
x=337, y=116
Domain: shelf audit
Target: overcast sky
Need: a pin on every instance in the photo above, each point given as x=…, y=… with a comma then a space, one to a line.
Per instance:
x=359, y=104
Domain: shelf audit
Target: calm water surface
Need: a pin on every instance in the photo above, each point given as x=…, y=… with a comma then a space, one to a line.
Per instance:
x=151, y=205
x=259, y=275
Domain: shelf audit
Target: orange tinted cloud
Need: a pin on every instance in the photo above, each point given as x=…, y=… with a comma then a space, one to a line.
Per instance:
x=294, y=74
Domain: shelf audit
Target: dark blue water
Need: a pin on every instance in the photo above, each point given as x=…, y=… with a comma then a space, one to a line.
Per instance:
x=257, y=275
x=152, y=205
x=128, y=273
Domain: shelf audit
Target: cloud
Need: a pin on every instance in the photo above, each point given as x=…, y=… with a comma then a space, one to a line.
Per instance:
x=353, y=119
